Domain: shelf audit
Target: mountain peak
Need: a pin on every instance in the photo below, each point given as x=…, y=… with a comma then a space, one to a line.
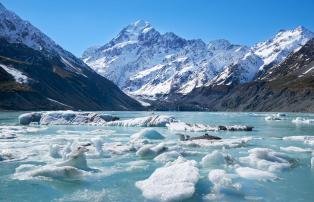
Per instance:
x=133, y=31
x=141, y=24
x=300, y=30
x=219, y=44
x=2, y=8
x=138, y=27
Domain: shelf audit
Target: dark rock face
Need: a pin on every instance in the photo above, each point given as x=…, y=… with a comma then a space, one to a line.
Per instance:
x=51, y=85
x=288, y=86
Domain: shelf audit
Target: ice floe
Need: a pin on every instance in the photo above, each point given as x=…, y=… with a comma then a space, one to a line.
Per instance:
x=175, y=181
x=151, y=150
x=303, y=138
x=6, y=155
x=75, y=167
x=149, y=121
x=275, y=117
x=7, y=135
x=266, y=159
x=300, y=120
x=295, y=149
x=147, y=133
x=197, y=127
x=227, y=143
x=118, y=148
x=255, y=174
x=222, y=180
x=167, y=156
x=65, y=118
x=55, y=151
x=215, y=158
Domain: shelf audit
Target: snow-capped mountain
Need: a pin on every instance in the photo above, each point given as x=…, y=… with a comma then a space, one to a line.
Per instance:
x=144, y=62
x=16, y=30
x=242, y=71
x=36, y=73
x=263, y=56
x=276, y=50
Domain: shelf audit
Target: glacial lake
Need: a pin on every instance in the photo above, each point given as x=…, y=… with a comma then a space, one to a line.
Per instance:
x=270, y=163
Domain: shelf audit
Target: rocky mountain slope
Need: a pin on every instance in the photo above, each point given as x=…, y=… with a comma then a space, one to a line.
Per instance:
x=155, y=66
x=288, y=86
x=36, y=73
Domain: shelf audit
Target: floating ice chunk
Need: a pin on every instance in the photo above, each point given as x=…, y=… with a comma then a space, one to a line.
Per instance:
x=272, y=118
x=306, y=139
x=73, y=168
x=25, y=167
x=151, y=150
x=167, y=156
x=7, y=135
x=76, y=159
x=266, y=159
x=300, y=120
x=222, y=180
x=136, y=165
x=65, y=118
x=149, y=121
x=98, y=142
x=214, y=159
x=181, y=126
x=26, y=119
x=175, y=181
x=312, y=162
x=54, y=151
x=275, y=117
x=228, y=143
x=197, y=127
x=255, y=174
x=67, y=150
x=295, y=149
x=6, y=156
x=52, y=171
x=147, y=133
x=118, y=148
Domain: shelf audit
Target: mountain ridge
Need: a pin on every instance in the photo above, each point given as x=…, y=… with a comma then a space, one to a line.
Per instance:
x=144, y=67
x=38, y=74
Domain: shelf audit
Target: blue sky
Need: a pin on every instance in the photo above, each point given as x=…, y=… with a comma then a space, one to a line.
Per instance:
x=78, y=24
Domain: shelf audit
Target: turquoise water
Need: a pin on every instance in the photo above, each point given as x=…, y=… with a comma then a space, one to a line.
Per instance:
x=118, y=168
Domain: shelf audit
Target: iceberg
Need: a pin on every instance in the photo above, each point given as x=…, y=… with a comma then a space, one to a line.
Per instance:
x=175, y=181
x=6, y=156
x=300, y=120
x=75, y=167
x=266, y=159
x=295, y=149
x=167, y=156
x=7, y=135
x=306, y=139
x=197, y=127
x=227, y=143
x=255, y=174
x=222, y=180
x=215, y=159
x=151, y=150
x=54, y=151
x=147, y=133
x=149, y=121
x=66, y=118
